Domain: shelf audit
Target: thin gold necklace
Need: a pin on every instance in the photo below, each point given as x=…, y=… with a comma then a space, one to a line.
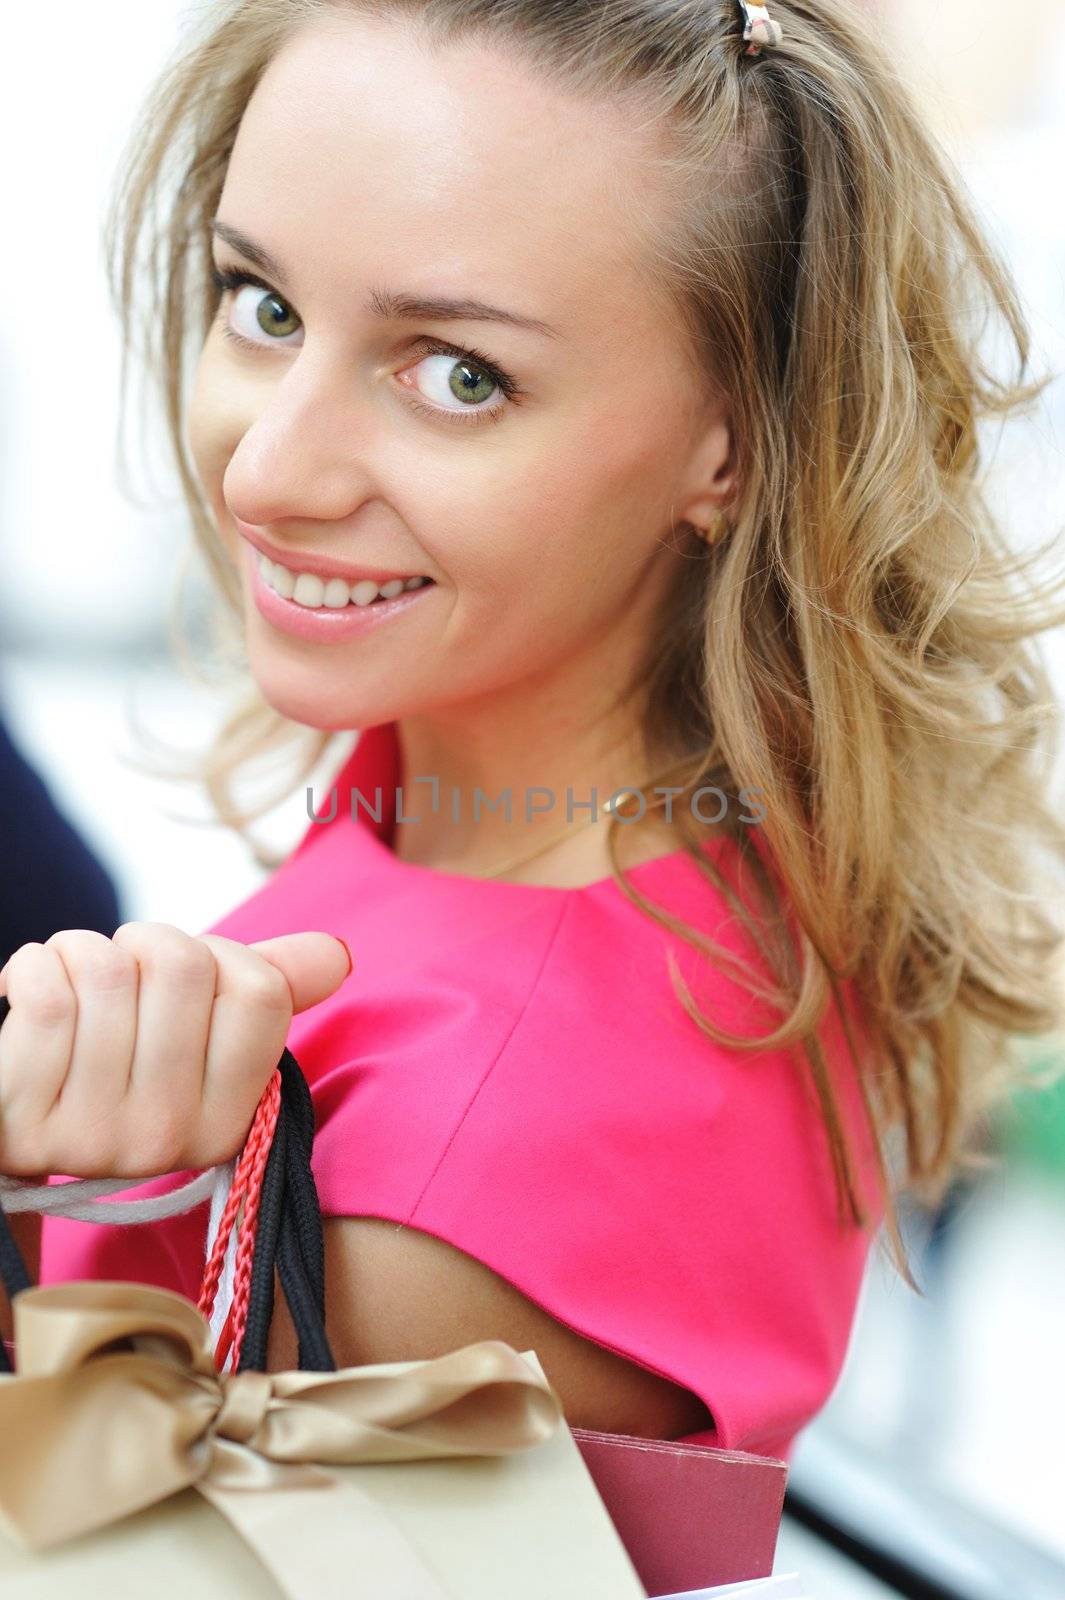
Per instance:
x=540, y=849
x=608, y=806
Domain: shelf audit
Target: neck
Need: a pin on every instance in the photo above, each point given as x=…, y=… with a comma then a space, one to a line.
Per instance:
x=476, y=757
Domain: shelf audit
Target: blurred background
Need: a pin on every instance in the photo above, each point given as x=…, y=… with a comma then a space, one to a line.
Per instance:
x=963, y=1386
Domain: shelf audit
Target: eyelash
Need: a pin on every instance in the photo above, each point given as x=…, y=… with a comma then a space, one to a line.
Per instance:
x=227, y=280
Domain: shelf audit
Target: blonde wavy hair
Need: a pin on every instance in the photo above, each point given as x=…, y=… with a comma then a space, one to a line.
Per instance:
x=859, y=647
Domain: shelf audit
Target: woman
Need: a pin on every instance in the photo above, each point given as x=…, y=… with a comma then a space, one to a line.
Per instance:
x=584, y=400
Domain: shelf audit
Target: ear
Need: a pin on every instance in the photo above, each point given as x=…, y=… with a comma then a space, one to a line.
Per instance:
x=711, y=473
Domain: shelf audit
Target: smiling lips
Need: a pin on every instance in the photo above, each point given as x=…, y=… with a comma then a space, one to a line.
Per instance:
x=307, y=564
x=311, y=590
x=329, y=610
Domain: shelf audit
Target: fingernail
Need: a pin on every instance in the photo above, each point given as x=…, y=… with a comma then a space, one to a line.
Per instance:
x=347, y=952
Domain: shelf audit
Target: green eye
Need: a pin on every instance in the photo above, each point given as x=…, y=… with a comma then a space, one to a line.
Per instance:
x=272, y=315
x=463, y=374
x=469, y=382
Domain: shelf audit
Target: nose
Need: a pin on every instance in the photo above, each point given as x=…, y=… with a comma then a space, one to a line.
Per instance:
x=303, y=453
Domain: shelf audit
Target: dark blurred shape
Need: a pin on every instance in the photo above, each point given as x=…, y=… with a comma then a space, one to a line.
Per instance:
x=50, y=877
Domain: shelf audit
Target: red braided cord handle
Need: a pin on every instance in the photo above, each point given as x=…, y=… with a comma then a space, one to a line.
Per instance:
x=237, y=1319
x=247, y=1187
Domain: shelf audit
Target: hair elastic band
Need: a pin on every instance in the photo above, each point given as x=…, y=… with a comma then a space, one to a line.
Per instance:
x=759, y=28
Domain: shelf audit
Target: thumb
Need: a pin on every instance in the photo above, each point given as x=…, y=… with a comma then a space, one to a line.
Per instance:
x=314, y=964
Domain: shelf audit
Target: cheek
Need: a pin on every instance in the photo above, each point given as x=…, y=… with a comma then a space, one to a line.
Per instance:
x=214, y=425
x=585, y=506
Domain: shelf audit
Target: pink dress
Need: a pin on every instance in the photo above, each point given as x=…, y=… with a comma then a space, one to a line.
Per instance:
x=507, y=1069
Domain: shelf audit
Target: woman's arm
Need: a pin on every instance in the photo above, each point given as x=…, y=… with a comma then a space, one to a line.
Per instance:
x=396, y=1294
x=148, y=1053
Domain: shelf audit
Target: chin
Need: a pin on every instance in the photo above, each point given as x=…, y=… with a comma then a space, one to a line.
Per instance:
x=317, y=710
x=308, y=694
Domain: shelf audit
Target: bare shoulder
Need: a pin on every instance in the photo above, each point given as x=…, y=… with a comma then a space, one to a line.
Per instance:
x=397, y=1294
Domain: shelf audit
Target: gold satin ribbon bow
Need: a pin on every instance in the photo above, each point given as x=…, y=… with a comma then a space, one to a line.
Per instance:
x=116, y=1405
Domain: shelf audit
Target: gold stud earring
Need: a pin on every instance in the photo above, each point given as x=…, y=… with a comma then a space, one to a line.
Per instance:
x=716, y=531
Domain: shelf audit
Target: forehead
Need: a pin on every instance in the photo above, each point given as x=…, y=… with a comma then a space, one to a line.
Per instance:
x=453, y=170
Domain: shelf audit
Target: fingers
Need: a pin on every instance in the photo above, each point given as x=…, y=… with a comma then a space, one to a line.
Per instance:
x=104, y=981
x=260, y=986
x=147, y=1052
x=314, y=964
x=249, y=1024
x=178, y=981
x=66, y=1046
x=38, y=1030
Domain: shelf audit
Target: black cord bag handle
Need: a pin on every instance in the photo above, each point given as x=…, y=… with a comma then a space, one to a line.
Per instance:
x=288, y=1240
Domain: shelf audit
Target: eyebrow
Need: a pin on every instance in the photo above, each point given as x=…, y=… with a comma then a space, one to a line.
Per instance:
x=388, y=304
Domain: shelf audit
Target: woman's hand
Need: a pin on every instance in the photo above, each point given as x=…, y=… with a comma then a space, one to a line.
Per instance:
x=147, y=1052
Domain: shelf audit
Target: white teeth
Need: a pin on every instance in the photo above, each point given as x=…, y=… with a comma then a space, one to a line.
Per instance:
x=280, y=578
x=308, y=590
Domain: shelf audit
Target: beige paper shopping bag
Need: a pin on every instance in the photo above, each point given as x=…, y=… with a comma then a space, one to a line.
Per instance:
x=131, y=1469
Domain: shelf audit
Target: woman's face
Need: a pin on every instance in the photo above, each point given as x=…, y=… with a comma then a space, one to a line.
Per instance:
x=539, y=496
